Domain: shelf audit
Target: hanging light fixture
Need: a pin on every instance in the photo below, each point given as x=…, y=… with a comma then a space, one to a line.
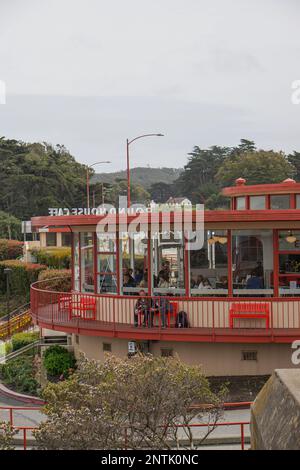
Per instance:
x=211, y=240
x=219, y=238
x=291, y=238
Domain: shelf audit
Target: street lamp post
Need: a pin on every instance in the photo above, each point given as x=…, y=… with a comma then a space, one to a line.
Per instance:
x=88, y=180
x=7, y=272
x=128, y=143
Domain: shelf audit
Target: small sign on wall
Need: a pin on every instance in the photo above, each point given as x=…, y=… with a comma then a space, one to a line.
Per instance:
x=131, y=347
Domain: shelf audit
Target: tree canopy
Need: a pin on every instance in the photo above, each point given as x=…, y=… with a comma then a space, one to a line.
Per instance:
x=134, y=403
x=257, y=167
x=34, y=177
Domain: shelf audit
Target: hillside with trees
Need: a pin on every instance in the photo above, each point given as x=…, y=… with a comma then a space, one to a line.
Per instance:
x=36, y=176
x=209, y=170
x=143, y=176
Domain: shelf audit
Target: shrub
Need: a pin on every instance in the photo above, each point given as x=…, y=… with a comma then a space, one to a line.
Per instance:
x=59, y=279
x=21, y=277
x=55, y=258
x=10, y=249
x=58, y=360
x=19, y=340
x=19, y=375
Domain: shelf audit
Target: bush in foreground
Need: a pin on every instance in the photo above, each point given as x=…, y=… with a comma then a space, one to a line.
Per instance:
x=147, y=395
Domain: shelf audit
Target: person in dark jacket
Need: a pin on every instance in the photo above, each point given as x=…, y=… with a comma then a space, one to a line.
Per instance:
x=142, y=308
x=254, y=281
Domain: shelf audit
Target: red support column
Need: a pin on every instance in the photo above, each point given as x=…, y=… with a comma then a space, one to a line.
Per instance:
x=72, y=260
x=187, y=269
x=118, y=262
x=95, y=252
x=293, y=201
x=149, y=260
x=229, y=257
x=275, y=264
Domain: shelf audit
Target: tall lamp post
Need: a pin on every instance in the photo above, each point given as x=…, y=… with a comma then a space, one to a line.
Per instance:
x=128, y=143
x=7, y=272
x=88, y=180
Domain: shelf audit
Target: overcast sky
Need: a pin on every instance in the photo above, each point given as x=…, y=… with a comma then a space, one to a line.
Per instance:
x=89, y=73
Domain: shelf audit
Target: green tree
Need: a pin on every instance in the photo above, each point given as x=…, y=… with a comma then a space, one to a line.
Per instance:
x=10, y=226
x=160, y=192
x=34, y=177
x=256, y=167
x=294, y=160
x=197, y=181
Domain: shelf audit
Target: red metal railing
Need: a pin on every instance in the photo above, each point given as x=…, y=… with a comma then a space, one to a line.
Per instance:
x=116, y=313
x=241, y=424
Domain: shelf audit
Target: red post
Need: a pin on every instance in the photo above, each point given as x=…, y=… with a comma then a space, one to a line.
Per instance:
x=275, y=264
x=229, y=257
x=11, y=416
x=242, y=437
x=24, y=439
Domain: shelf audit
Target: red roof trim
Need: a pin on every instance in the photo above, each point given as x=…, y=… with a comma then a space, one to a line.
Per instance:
x=209, y=216
x=262, y=189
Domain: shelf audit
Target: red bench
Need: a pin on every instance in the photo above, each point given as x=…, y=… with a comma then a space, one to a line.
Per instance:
x=250, y=311
x=85, y=308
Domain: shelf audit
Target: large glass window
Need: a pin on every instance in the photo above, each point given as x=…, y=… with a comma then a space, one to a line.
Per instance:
x=209, y=265
x=257, y=202
x=134, y=263
x=252, y=262
x=297, y=201
x=87, y=262
x=240, y=203
x=168, y=264
x=289, y=262
x=107, y=279
x=280, y=201
x=50, y=239
x=66, y=239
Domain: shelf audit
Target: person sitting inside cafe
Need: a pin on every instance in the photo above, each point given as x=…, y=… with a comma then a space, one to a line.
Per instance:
x=254, y=281
x=163, y=280
x=128, y=281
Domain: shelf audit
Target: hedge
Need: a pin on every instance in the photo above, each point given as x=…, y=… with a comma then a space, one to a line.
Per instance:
x=55, y=258
x=10, y=249
x=19, y=340
x=57, y=361
x=21, y=277
x=60, y=280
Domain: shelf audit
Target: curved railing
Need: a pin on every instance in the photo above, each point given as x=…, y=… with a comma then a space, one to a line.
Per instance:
x=209, y=318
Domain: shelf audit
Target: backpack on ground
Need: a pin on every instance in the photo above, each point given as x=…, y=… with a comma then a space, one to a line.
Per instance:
x=182, y=320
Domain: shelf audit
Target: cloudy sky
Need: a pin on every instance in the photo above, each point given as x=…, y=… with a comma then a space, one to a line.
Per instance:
x=90, y=73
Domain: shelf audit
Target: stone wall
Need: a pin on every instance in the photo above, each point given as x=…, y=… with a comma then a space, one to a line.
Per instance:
x=275, y=414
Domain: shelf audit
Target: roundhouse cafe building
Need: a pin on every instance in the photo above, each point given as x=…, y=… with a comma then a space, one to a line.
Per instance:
x=240, y=291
